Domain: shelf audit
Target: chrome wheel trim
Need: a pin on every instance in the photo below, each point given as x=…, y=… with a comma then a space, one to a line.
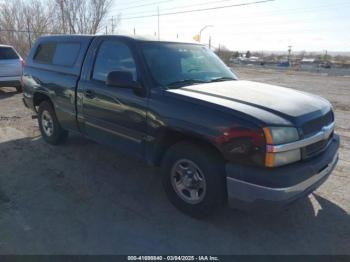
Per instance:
x=47, y=123
x=188, y=181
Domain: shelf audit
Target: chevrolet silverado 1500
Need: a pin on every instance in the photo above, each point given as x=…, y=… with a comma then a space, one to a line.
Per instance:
x=216, y=139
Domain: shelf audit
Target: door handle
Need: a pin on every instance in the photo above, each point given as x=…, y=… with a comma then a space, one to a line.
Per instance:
x=89, y=93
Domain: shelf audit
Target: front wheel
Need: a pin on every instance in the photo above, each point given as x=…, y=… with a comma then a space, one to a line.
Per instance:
x=193, y=178
x=50, y=128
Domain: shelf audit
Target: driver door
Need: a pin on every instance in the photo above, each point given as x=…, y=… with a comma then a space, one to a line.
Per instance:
x=113, y=115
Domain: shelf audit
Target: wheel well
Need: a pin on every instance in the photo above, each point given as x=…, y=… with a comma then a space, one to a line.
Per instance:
x=38, y=98
x=170, y=138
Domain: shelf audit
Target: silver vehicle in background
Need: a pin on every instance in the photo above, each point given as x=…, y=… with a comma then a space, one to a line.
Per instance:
x=11, y=67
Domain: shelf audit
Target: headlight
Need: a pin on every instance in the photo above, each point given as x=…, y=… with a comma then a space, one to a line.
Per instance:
x=280, y=135
x=282, y=158
x=277, y=136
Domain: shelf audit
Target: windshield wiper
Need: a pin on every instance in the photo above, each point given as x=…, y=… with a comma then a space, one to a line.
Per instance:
x=220, y=79
x=186, y=82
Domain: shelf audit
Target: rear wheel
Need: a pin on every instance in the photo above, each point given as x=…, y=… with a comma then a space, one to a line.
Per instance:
x=193, y=178
x=50, y=128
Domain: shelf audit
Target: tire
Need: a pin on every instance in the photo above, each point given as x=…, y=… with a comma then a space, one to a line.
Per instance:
x=19, y=89
x=50, y=128
x=209, y=168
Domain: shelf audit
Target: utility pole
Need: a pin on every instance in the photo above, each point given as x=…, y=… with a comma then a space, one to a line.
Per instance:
x=158, y=23
x=202, y=29
x=29, y=36
x=112, y=22
x=289, y=54
x=134, y=31
x=325, y=55
x=64, y=28
x=106, y=30
x=210, y=42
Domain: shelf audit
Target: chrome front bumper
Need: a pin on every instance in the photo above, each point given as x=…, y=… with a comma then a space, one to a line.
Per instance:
x=245, y=195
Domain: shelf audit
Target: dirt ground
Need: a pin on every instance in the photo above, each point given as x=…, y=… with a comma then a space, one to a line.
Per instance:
x=84, y=198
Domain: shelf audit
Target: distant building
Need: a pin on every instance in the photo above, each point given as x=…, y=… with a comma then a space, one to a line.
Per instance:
x=308, y=63
x=307, y=60
x=244, y=60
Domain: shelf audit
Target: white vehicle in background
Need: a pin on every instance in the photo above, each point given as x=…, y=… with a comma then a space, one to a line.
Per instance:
x=11, y=67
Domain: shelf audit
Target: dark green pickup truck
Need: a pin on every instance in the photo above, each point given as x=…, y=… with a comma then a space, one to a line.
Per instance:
x=216, y=139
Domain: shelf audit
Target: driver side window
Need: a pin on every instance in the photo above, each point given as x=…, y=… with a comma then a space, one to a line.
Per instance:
x=113, y=56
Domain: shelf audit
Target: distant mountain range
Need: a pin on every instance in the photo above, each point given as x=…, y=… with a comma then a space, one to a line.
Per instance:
x=332, y=53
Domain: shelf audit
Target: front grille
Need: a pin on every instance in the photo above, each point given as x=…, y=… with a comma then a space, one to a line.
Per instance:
x=311, y=128
x=316, y=125
x=316, y=148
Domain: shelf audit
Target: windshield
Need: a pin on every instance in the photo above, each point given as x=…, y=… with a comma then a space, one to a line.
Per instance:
x=176, y=65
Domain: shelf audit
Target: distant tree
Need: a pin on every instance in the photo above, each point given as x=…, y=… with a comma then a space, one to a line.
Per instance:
x=248, y=54
x=23, y=21
x=17, y=17
x=236, y=54
x=224, y=53
x=342, y=59
x=82, y=16
x=326, y=58
x=258, y=54
x=301, y=54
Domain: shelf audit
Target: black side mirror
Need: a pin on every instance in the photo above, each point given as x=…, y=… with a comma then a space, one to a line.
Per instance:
x=121, y=79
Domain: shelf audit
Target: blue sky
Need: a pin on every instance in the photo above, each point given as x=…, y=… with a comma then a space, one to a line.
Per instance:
x=310, y=25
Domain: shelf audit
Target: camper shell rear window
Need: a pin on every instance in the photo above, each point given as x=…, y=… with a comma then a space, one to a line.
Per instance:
x=59, y=54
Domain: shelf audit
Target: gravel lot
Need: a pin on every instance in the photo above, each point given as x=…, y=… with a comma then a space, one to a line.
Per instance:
x=84, y=198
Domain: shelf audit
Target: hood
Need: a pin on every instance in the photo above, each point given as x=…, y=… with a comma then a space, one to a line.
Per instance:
x=271, y=104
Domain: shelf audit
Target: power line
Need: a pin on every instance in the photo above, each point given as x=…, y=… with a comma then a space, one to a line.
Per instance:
x=277, y=25
x=280, y=32
x=268, y=21
x=14, y=31
x=200, y=10
x=21, y=31
x=132, y=2
x=206, y=3
x=278, y=12
x=259, y=22
x=143, y=5
x=185, y=6
x=28, y=31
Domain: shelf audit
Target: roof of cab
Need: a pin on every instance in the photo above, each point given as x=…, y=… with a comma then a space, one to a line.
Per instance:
x=89, y=37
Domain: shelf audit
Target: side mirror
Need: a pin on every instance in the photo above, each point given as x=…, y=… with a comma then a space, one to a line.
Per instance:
x=121, y=79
